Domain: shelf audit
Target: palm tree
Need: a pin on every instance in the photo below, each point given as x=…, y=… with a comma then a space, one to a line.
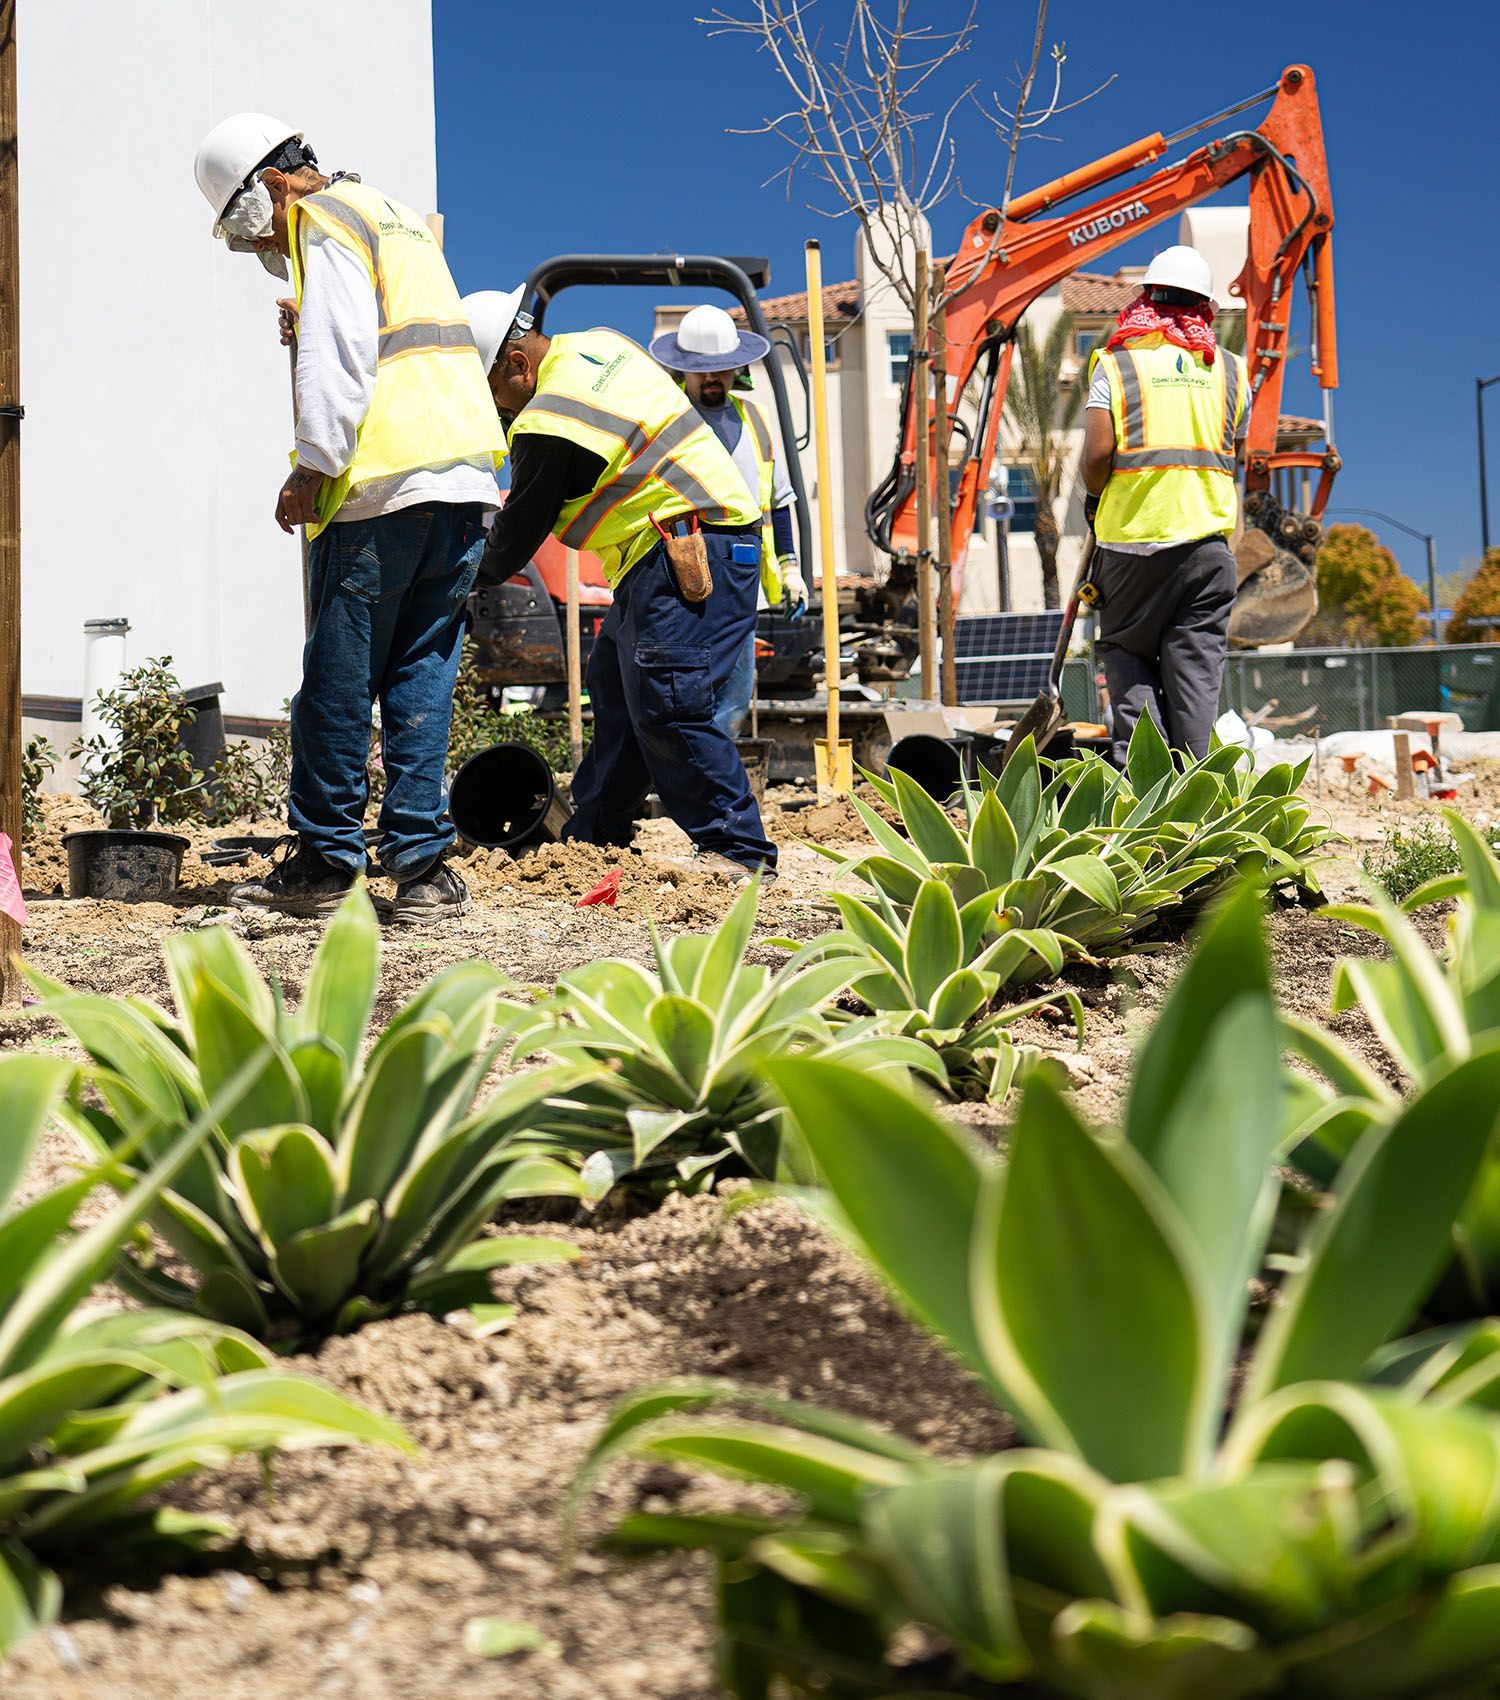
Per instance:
x=1040, y=411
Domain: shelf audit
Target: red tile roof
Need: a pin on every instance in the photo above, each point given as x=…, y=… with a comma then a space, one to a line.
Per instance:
x=840, y=301
x=1094, y=292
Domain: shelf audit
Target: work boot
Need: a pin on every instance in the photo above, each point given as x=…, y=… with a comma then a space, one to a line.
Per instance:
x=737, y=873
x=301, y=883
x=435, y=892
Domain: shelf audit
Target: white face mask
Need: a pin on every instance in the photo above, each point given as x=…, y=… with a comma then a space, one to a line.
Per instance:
x=246, y=221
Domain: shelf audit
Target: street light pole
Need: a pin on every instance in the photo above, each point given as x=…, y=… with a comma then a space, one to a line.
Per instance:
x=1411, y=531
x=1480, y=386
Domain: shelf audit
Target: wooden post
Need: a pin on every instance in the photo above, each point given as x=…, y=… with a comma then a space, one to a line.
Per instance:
x=943, y=506
x=575, y=664
x=10, y=488
x=835, y=760
x=1405, y=787
x=921, y=384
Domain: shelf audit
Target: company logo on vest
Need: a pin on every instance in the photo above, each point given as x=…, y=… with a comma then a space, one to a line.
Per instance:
x=1116, y=219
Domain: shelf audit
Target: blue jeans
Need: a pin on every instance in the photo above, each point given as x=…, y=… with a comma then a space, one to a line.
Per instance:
x=734, y=701
x=657, y=674
x=388, y=600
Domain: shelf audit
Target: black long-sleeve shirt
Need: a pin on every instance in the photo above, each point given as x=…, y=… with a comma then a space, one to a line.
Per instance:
x=546, y=473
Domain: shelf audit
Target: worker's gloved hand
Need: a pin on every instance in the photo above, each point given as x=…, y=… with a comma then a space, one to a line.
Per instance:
x=1090, y=508
x=793, y=589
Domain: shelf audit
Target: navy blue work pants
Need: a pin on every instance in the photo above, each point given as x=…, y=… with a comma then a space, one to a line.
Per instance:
x=659, y=669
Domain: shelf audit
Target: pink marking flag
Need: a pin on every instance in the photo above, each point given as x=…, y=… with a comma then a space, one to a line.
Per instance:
x=11, y=901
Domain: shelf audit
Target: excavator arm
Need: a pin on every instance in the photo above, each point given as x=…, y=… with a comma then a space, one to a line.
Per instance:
x=1003, y=265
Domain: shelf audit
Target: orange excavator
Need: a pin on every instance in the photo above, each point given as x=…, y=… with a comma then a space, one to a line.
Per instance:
x=1003, y=265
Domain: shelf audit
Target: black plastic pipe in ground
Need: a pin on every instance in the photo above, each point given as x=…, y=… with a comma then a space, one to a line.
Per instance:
x=935, y=763
x=505, y=798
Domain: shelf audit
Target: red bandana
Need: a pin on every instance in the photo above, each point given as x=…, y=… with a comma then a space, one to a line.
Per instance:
x=1188, y=327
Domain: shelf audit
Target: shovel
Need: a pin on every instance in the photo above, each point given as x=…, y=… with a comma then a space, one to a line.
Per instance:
x=1041, y=721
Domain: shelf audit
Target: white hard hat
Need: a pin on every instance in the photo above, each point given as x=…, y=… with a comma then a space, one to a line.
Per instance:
x=232, y=150
x=707, y=340
x=1181, y=268
x=491, y=313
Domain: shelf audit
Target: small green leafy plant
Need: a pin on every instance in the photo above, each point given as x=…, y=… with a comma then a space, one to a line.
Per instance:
x=100, y=1409
x=674, y=1091
x=140, y=775
x=250, y=782
x=343, y=1186
x=934, y=971
x=1334, y=1539
x=37, y=760
x=1412, y=853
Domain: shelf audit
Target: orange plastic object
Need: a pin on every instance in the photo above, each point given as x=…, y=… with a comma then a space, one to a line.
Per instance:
x=607, y=890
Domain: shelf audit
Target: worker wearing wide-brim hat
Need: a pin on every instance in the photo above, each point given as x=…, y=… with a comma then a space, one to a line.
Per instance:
x=396, y=448
x=608, y=455
x=708, y=350
x=1168, y=412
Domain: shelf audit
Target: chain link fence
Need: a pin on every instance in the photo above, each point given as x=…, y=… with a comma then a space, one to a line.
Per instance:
x=1339, y=690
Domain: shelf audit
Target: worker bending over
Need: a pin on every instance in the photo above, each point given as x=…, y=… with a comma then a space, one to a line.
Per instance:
x=709, y=351
x=396, y=447
x=609, y=456
x=1168, y=411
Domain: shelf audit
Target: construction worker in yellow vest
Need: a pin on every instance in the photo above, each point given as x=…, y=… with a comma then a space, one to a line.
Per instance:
x=1168, y=410
x=396, y=448
x=608, y=455
x=708, y=350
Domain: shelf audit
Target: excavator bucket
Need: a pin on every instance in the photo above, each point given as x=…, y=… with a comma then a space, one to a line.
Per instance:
x=1277, y=595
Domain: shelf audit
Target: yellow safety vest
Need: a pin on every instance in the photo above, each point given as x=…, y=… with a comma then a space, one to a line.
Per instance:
x=600, y=390
x=754, y=422
x=1175, y=421
x=431, y=405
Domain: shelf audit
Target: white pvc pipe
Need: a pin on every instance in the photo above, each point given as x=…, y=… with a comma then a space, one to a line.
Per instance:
x=103, y=665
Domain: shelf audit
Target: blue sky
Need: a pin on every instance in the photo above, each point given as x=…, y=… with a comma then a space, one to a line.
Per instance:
x=593, y=126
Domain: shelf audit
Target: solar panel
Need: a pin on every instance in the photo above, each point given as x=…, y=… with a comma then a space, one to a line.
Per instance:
x=1004, y=657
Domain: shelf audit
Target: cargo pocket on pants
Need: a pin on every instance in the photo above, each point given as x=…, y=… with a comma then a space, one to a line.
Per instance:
x=675, y=684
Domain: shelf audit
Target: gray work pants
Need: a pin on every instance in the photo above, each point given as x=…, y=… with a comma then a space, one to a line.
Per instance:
x=1163, y=635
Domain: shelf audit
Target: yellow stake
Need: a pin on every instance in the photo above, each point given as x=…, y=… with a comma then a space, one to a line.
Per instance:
x=834, y=756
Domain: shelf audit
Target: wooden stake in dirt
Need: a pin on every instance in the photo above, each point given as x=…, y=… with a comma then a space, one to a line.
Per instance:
x=10, y=489
x=1405, y=783
x=943, y=505
x=575, y=664
x=833, y=756
x=921, y=384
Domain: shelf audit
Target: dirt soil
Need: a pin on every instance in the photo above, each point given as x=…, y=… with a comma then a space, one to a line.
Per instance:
x=356, y=1572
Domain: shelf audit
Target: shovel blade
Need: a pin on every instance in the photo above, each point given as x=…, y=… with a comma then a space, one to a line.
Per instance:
x=1040, y=722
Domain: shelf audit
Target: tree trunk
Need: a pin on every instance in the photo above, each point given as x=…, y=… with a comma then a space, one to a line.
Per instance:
x=1046, y=546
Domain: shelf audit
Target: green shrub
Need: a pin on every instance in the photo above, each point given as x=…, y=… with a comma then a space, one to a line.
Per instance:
x=479, y=720
x=1410, y=854
x=1333, y=1539
x=37, y=760
x=99, y=1410
x=140, y=775
x=344, y=1186
x=675, y=1091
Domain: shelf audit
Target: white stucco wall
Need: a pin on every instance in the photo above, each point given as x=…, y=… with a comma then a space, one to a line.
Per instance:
x=158, y=414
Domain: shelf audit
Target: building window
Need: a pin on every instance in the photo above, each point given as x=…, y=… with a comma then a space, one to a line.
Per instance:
x=898, y=350
x=1022, y=492
x=830, y=351
x=1084, y=340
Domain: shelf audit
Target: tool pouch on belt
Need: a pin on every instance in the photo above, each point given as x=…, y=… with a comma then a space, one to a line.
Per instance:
x=687, y=556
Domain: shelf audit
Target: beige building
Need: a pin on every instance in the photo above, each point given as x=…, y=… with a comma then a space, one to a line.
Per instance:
x=869, y=335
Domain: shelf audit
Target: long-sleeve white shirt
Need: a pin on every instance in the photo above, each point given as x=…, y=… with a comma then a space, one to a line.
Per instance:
x=338, y=341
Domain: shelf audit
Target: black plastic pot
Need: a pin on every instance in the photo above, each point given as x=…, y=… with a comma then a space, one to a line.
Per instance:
x=505, y=798
x=937, y=764
x=755, y=753
x=124, y=866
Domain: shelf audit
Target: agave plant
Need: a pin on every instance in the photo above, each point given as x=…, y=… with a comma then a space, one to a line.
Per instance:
x=1091, y=855
x=670, y=1087
x=1430, y=1017
x=98, y=1411
x=1335, y=1539
x=934, y=971
x=341, y=1186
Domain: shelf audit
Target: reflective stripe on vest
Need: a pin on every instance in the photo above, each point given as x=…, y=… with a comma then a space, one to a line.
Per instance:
x=431, y=404
x=1175, y=421
x=599, y=390
x=754, y=421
